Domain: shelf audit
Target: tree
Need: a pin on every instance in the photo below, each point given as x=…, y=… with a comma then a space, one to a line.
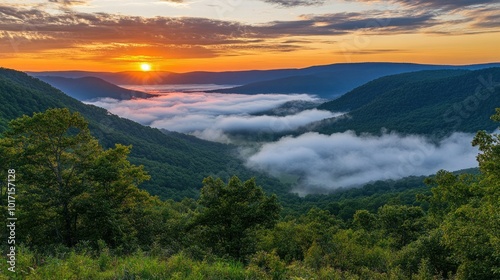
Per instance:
x=401, y=222
x=66, y=179
x=467, y=208
x=365, y=220
x=232, y=213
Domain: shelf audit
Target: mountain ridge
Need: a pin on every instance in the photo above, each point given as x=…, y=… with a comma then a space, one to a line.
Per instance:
x=334, y=80
x=434, y=103
x=89, y=88
x=177, y=162
x=225, y=77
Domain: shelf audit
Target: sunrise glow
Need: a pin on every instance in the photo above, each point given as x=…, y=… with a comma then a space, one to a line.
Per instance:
x=246, y=35
x=145, y=67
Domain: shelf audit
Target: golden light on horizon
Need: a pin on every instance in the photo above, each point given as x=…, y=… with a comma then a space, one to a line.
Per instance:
x=145, y=67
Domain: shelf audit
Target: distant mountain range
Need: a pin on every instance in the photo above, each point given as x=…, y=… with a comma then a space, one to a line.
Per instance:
x=327, y=81
x=433, y=103
x=88, y=88
x=177, y=162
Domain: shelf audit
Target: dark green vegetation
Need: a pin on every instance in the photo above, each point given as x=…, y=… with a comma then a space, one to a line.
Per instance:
x=176, y=162
x=81, y=216
x=432, y=103
x=88, y=88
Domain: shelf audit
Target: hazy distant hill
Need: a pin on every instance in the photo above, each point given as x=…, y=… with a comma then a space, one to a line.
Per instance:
x=428, y=102
x=334, y=80
x=177, y=162
x=324, y=80
x=157, y=78
x=88, y=88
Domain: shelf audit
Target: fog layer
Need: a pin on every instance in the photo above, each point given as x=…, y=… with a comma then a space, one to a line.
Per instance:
x=327, y=162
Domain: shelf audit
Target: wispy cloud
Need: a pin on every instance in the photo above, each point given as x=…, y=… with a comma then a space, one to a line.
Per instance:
x=110, y=36
x=69, y=2
x=327, y=162
x=210, y=115
x=322, y=162
x=437, y=4
x=61, y=29
x=295, y=3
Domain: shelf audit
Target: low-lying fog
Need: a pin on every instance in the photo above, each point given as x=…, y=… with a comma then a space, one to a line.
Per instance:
x=323, y=162
x=202, y=114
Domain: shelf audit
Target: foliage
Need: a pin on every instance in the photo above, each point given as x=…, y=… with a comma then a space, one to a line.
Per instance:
x=70, y=188
x=232, y=213
x=176, y=162
x=433, y=103
x=82, y=216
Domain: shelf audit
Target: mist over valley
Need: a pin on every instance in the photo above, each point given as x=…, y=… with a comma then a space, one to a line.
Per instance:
x=319, y=162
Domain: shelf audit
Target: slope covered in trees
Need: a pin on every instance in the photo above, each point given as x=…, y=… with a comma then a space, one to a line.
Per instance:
x=234, y=230
x=177, y=162
x=88, y=88
x=428, y=102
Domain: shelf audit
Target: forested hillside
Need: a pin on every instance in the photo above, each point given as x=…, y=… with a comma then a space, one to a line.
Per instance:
x=428, y=102
x=177, y=162
x=88, y=88
x=81, y=216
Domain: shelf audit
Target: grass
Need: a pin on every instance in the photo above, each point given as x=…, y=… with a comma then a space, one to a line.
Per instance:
x=85, y=265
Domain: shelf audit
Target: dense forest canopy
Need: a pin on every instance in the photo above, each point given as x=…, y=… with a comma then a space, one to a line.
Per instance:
x=82, y=216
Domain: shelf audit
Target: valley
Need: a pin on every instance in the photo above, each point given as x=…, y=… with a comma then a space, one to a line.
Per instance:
x=353, y=161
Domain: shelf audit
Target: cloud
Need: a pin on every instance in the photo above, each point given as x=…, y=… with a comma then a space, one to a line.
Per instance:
x=322, y=162
x=484, y=18
x=108, y=37
x=69, y=2
x=295, y=3
x=240, y=122
x=439, y=4
x=446, y=4
x=375, y=51
x=210, y=115
x=328, y=162
x=455, y=17
x=57, y=29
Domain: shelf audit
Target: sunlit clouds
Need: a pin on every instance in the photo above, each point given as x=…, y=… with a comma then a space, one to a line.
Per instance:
x=196, y=35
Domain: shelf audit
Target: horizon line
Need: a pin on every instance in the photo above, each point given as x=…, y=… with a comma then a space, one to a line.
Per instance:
x=253, y=69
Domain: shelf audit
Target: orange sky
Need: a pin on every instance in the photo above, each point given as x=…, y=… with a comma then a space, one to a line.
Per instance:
x=82, y=37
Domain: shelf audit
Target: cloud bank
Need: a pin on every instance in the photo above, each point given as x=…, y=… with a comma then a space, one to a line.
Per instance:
x=210, y=115
x=328, y=162
x=321, y=162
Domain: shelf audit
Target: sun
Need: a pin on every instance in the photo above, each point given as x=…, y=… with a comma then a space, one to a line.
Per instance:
x=145, y=67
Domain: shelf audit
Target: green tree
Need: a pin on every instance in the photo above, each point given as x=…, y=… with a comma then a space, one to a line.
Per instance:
x=365, y=220
x=467, y=210
x=401, y=222
x=70, y=188
x=232, y=213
